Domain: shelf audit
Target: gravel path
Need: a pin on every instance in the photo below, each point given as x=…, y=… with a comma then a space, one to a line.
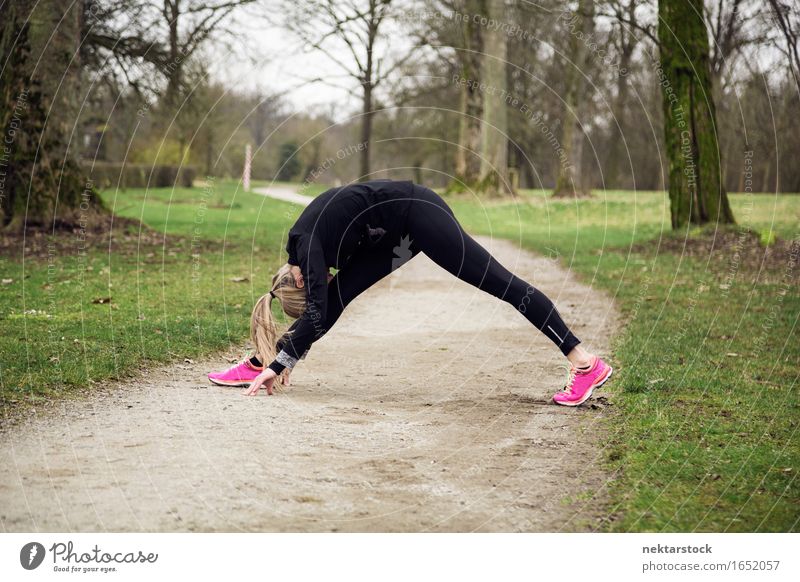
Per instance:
x=425, y=409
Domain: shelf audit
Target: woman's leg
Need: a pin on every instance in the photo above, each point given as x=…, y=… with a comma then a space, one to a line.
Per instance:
x=435, y=231
x=362, y=272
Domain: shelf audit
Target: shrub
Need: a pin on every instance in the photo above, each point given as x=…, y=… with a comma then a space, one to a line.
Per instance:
x=112, y=174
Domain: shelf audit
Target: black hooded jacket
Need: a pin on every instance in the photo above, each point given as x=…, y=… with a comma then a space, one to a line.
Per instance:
x=331, y=229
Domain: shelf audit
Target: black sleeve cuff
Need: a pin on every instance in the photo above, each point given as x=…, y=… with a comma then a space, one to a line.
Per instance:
x=277, y=368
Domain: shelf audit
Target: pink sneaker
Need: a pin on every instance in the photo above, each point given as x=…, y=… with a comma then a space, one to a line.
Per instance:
x=242, y=374
x=582, y=383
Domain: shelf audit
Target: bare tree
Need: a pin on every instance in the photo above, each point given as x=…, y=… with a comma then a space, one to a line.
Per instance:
x=154, y=47
x=580, y=26
x=265, y=108
x=494, y=130
x=787, y=19
x=469, y=54
x=349, y=34
x=732, y=26
x=164, y=34
x=190, y=24
x=625, y=40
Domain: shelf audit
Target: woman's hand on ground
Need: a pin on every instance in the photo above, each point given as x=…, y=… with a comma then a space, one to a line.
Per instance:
x=284, y=377
x=267, y=378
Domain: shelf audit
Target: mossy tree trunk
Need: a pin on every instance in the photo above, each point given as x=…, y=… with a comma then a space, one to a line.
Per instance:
x=494, y=130
x=625, y=45
x=42, y=184
x=468, y=163
x=696, y=191
x=580, y=26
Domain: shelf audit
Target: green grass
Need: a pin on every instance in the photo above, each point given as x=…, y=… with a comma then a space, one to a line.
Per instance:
x=171, y=298
x=700, y=440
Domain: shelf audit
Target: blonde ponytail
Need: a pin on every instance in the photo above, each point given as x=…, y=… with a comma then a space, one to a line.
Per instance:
x=263, y=330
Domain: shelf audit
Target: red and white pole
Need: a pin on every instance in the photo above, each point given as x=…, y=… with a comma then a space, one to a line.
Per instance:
x=247, y=166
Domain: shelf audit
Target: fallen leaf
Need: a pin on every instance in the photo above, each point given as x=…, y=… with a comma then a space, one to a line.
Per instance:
x=188, y=361
x=8, y=281
x=239, y=279
x=732, y=355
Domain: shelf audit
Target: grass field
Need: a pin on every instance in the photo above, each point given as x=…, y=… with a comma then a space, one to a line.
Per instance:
x=705, y=436
x=170, y=298
x=706, y=432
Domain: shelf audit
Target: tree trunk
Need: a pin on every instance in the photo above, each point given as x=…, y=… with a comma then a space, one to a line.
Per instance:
x=313, y=162
x=741, y=181
x=697, y=194
x=617, y=154
x=366, y=131
x=174, y=69
x=617, y=147
x=209, y=151
x=368, y=84
x=767, y=169
x=418, y=170
x=468, y=165
x=570, y=181
x=494, y=135
x=40, y=180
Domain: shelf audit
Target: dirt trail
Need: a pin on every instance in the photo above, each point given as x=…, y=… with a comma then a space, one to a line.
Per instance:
x=424, y=409
x=285, y=193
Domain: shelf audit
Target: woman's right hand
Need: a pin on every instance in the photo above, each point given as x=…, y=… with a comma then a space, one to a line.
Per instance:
x=284, y=377
x=267, y=378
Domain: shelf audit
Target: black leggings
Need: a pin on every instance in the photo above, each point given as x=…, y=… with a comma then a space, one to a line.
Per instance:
x=432, y=228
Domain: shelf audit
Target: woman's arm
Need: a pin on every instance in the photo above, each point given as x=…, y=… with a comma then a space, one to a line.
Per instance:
x=311, y=326
x=289, y=345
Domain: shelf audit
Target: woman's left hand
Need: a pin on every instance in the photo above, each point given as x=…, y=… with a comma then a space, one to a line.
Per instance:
x=267, y=378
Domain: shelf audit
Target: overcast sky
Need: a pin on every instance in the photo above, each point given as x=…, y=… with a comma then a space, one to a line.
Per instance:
x=272, y=59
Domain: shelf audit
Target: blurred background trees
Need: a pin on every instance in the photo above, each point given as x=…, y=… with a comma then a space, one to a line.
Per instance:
x=485, y=96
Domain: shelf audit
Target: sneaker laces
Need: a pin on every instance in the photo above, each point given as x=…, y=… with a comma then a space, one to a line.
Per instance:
x=572, y=372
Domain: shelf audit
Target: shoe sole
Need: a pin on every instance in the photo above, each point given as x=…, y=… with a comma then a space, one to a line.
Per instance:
x=589, y=391
x=230, y=384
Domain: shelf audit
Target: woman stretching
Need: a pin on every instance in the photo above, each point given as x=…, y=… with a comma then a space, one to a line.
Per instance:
x=356, y=229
